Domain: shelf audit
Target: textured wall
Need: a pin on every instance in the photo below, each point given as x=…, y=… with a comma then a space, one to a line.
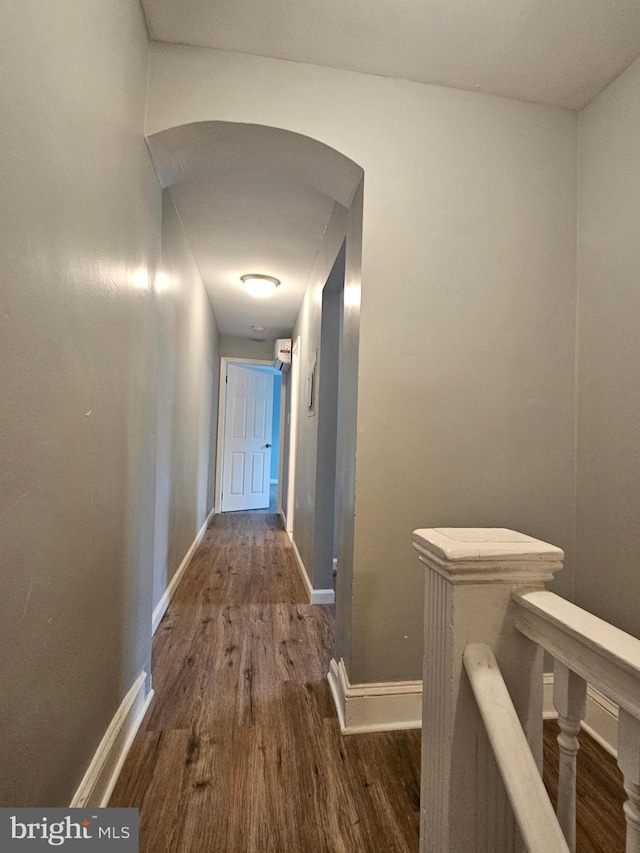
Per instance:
x=609, y=355
x=188, y=375
x=79, y=237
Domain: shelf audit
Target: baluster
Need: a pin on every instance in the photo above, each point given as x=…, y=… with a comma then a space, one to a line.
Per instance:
x=570, y=700
x=629, y=763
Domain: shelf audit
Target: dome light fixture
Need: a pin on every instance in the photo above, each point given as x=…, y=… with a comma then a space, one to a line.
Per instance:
x=259, y=285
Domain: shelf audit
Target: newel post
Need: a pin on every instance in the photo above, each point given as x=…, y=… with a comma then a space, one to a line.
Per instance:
x=470, y=575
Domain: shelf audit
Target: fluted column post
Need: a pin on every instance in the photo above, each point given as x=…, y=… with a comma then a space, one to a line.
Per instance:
x=470, y=575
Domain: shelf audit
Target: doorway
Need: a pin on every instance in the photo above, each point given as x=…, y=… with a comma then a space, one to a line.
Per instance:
x=249, y=435
x=331, y=339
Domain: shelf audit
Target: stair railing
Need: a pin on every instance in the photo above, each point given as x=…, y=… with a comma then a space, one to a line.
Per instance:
x=587, y=649
x=539, y=828
x=488, y=618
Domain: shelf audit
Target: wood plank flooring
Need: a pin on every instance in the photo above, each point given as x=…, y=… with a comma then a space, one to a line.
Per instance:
x=241, y=750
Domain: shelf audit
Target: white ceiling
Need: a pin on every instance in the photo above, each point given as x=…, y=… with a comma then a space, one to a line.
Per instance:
x=252, y=199
x=558, y=52
x=257, y=199
x=253, y=222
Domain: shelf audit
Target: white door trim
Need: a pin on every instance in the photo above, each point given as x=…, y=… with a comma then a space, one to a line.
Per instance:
x=283, y=426
x=222, y=401
x=293, y=434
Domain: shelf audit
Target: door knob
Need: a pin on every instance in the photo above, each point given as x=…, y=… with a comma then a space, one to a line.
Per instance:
x=267, y=445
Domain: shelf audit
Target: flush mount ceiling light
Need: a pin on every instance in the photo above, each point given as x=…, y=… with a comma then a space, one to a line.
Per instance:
x=258, y=328
x=260, y=286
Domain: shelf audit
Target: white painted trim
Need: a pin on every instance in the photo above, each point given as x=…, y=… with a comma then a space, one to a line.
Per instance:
x=548, y=710
x=294, y=394
x=323, y=596
x=539, y=827
x=162, y=605
x=601, y=718
x=376, y=707
x=283, y=426
x=103, y=771
x=338, y=686
x=316, y=596
x=301, y=567
x=222, y=401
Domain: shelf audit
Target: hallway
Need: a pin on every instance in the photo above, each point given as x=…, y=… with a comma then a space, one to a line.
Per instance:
x=241, y=750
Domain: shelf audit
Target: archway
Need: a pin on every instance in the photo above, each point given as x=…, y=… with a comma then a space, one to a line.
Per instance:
x=237, y=160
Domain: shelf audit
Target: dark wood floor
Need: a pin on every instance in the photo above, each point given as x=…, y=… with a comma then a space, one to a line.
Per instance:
x=241, y=750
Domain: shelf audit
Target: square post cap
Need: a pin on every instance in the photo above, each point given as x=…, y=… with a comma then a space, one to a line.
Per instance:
x=487, y=555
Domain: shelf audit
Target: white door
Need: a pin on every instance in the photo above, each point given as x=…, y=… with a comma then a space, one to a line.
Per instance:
x=246, y=461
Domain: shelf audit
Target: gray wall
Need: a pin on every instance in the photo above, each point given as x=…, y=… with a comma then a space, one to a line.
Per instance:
x=327, y=414
x=608, y=526
x=466, y=392
x=347, y=429
x=308, y=327
x=234, y=347
x=188, y=376
x=80, y=234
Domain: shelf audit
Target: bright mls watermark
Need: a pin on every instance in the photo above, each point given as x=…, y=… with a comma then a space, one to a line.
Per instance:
x=102, y=830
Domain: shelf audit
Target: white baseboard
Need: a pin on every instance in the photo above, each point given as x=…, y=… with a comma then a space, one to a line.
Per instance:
x=385, y=707
x=162, y=605
x=316, y=596
x=101, y=776
x=322, y=596
x=601, y=719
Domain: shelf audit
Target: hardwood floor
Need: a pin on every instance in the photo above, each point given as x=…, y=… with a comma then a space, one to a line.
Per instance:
x=241, y=750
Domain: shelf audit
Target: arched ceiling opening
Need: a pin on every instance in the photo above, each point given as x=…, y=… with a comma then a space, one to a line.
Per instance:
x=252, y=199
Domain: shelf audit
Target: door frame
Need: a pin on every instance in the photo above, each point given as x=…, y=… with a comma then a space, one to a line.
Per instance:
x=222, y=402
x=294, y=375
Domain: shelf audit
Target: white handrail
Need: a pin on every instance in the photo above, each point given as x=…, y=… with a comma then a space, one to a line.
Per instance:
x=592, y=651
x=539, y=827
x=486, y=585
x=603, y=655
